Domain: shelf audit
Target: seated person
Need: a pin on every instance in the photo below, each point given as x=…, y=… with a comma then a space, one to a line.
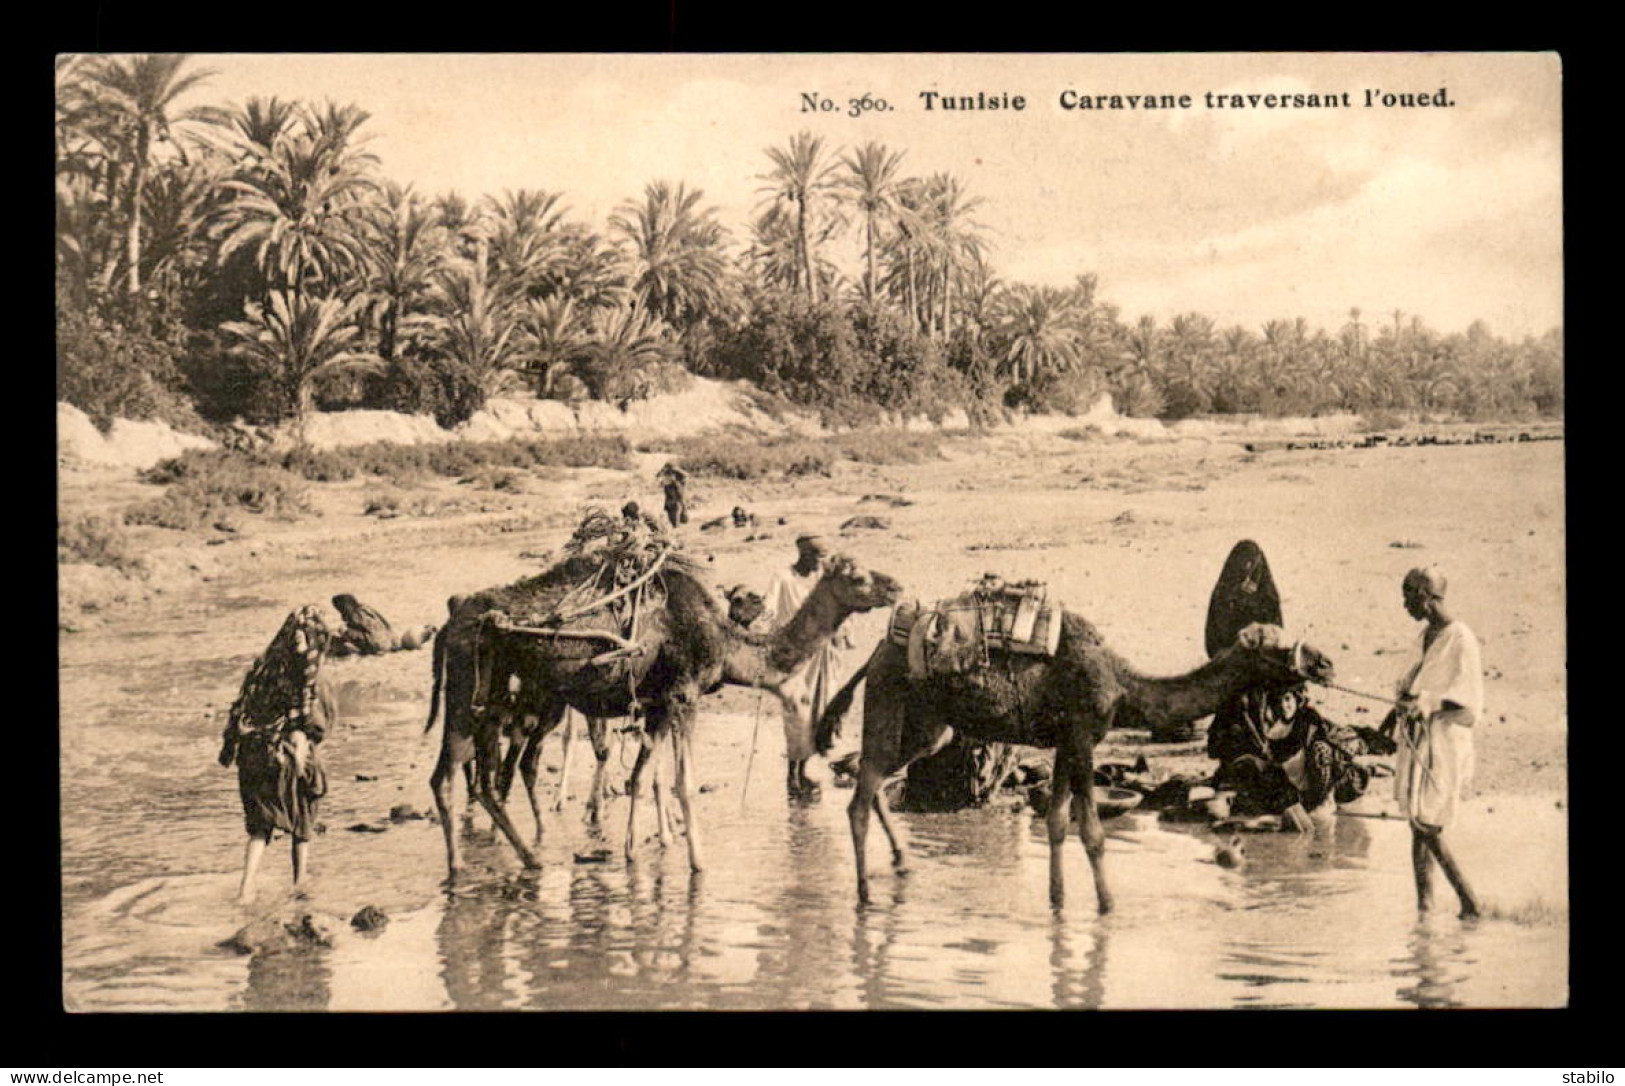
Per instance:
x=1275, y=750
x=365, y=631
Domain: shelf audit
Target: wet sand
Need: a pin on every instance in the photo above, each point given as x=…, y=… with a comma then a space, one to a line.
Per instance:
x=1131, y=534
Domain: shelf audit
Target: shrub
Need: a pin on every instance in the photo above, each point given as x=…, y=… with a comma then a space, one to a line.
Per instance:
x=1378, y=419
x=750, y=458
x=1053, y=392
x=111, y=370
x=95, y=540
x=203, y=485
x=380, y=503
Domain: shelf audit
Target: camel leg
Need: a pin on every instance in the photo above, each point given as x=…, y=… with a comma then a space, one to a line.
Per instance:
x=455, y=750
x=683, y=759
x=468, y=780
x=598, y=735
x=567, y=737
x=634, y=791
x=864, y=796
x=518, y=740
x=658, y=787
x=486, y=791
x=530, y=756
x=899, y=858
x=1057, y=822
x=1091, y=831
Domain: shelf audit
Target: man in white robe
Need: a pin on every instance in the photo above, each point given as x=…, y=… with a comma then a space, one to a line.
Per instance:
x=1441, y=698
x=810, y=687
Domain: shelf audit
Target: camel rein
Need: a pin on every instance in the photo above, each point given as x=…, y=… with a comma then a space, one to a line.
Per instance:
x=1356, y=693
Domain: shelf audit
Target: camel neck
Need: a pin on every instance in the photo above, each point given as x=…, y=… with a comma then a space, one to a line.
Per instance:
x=1188, y=697
x=814, y=621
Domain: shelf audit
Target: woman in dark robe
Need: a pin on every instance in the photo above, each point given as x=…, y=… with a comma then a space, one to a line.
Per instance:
x=1275, y=751
x=278, y=718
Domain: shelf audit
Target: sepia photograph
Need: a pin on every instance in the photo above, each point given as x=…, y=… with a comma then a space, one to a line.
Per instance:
x=811, y=531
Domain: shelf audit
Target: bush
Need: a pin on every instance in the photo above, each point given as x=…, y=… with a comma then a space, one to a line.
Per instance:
x=1058, y=393
x=205, y=484
x=95, y=540
x=114, y=370
x=750, y=458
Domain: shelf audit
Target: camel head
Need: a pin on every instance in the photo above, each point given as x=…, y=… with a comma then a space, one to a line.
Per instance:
x=1287, y=661
x=859, y=589
x=744, y=606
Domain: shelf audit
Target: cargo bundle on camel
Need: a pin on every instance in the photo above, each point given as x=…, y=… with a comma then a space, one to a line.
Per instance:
x=625, y=625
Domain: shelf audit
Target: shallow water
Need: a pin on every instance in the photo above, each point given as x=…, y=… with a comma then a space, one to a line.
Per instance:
x=151, y=840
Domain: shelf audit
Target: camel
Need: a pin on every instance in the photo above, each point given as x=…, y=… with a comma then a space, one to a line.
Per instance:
x=1066, y=702
x=744, y=608
x=686, y=647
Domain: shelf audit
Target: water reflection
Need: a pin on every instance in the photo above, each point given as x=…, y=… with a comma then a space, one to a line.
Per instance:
x=470, y=942
x=290, y=980
x=1433, y=955
x=874, y=941
x=1077, y=964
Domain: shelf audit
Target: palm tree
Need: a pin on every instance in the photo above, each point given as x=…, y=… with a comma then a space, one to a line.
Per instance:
x=403, y=246
x=679, y=270
x=555, y=337
x=296, y=337
x=135, y=96
x=475, y=326
x=587, y=269
x=1038, y=330
x=177, y=205
x=302, y=209
x=624, y=345
x=249, y=134
x=775, y=251
x=800, y=177
x=954, y=239
x=871, y=186
x=524, y=243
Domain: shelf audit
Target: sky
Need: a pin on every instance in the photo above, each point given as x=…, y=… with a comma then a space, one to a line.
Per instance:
x=1453, y=213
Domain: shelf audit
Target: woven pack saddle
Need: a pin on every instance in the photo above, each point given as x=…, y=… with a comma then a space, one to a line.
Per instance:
x=965, y=634
x=604, y=610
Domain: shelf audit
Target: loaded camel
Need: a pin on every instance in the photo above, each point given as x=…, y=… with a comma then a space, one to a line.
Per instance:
x=685, y=647
x=526, y=735
x=1066, y=702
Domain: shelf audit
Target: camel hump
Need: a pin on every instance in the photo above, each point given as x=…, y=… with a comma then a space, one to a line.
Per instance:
x=1245, y=595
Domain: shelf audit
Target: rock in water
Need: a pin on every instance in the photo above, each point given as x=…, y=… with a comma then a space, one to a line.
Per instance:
x=263, y=936
x=318, y=929
x=405, y=812
x=370, y=918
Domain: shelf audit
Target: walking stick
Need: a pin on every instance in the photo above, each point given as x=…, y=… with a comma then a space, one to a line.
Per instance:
x=751, y=759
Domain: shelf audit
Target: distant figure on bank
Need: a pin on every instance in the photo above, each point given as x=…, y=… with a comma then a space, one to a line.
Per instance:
x=280, y=715
x=672, y=480
x=1441, y=699
x=812, y=686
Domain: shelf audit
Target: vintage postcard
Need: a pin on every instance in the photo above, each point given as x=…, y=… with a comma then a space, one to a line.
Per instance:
x=763, y=532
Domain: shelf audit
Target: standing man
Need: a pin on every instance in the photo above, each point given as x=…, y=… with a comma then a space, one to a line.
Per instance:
x=672, y=480
x=811, y=686
x=1440, y=700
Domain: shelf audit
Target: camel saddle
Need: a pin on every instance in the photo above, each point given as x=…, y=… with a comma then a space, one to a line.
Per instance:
x=963, y=634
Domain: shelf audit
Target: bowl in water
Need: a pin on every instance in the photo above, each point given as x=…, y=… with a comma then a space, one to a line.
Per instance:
x=1115, y=801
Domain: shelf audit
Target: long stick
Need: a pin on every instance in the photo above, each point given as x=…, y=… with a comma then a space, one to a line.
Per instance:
x=751, y=760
